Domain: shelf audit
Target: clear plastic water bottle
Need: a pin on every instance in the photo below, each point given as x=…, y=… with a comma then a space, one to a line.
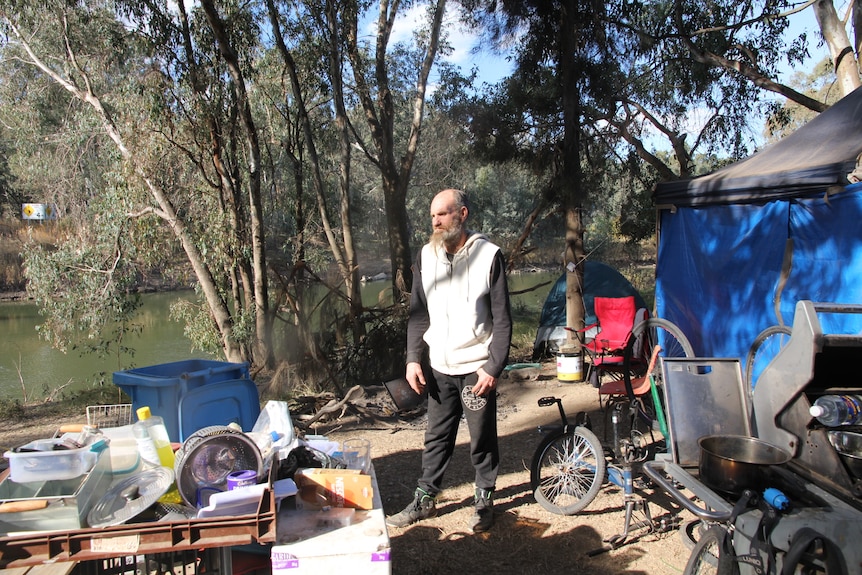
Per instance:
x=265, y=441
x=835, y=410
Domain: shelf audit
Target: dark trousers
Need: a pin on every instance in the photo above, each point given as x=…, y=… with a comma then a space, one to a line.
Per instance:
x=446, y=404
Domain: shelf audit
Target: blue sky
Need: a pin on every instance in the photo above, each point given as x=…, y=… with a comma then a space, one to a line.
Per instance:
x=493, y=67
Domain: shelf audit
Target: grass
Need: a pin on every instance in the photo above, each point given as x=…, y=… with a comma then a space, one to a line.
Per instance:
x=15, y=410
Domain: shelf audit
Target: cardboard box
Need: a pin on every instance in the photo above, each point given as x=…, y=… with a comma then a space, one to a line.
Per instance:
x=310, y=544
x=320, y=488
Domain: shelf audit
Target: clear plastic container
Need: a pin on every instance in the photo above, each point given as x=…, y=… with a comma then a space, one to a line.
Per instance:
x=39, y=461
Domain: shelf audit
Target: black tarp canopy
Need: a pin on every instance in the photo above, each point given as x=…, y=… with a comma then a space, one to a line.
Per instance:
x=819, y=154
x=740, y=246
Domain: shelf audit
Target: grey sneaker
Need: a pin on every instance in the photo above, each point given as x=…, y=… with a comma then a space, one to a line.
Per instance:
x=423, y=506
x=483, y=517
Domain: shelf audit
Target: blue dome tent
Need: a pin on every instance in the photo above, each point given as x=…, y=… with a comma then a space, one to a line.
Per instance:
x=599, y=280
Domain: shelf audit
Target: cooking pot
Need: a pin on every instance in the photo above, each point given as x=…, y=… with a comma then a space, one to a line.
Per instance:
x=848, y=444
x=734, y=463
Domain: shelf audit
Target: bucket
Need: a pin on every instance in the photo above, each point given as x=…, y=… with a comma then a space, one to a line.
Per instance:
x=569, y=367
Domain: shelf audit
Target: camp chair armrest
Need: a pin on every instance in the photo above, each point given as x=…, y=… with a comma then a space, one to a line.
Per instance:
x=585, y=329
x=599, y=348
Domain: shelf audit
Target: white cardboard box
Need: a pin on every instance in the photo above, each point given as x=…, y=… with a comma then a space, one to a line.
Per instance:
x=320, y=547
x=334, y=541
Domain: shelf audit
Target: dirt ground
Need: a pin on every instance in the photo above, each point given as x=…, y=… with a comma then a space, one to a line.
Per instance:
x=525, y=539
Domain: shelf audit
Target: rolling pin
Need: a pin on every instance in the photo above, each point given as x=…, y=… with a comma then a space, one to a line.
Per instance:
x=18, y=506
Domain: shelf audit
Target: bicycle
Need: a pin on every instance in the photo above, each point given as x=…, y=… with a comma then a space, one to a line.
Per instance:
x=570, y=466
x=763, y=350
x=639, y=352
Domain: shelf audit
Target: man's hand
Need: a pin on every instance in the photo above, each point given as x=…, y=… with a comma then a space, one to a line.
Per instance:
x=484, y=384
x=415, y=377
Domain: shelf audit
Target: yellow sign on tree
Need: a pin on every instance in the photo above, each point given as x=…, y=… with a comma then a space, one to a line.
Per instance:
x=38, y=211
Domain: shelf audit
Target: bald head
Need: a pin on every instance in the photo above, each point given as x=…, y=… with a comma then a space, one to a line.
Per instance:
x=449, y=210
x=458, y=198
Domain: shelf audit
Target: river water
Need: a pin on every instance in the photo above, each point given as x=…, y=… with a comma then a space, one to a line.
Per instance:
x=44, y=369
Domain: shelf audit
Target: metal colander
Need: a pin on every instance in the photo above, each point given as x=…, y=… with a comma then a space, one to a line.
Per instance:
x=208, y=456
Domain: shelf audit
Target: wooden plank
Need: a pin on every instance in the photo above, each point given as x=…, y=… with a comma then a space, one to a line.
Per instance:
x=63, y=568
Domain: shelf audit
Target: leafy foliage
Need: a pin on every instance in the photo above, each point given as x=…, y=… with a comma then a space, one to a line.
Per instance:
x=202, y=127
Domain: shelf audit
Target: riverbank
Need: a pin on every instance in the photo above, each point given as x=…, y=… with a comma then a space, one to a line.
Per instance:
x=14, y=296
x=23, y=423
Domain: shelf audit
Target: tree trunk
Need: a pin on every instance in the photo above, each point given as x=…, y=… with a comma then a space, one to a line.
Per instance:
x=840, y=48
x=571, y=178
x=380, y=117
x=350, y=273
x=263, y=332
x=395, y=198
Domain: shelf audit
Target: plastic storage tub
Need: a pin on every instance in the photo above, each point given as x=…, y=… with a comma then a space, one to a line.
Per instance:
x=38, y=461
x=49, y=505
x=235, y=401
x=124, y=454
x=162, y=386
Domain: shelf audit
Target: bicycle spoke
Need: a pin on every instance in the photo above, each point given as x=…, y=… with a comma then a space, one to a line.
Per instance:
x=568, y=472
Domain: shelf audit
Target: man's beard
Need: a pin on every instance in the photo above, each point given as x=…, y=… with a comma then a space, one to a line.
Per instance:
x=448, y=237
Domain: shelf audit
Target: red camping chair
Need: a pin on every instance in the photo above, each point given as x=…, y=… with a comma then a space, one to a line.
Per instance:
x=616, y=317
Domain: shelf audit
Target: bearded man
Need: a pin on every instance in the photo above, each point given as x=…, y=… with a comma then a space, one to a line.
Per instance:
x=461, y=318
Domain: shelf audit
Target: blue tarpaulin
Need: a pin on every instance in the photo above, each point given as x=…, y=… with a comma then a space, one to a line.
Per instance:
x=739, y=247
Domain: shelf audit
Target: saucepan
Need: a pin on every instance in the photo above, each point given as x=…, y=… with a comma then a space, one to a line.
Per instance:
x=848, y=444
x=733, y=463
x=402, y=394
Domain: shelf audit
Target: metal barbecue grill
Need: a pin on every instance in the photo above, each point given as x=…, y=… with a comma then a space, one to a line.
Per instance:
x=820, y=531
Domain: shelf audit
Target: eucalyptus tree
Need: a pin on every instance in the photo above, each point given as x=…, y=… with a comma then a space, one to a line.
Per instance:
x=145, y=106
x=565, y=69
x=195, y=134
x=298, y=26
x=373, y=85
x=844, y=52
x=680, y=85
x=10, y=196
x=702, y=76
x=700, y=79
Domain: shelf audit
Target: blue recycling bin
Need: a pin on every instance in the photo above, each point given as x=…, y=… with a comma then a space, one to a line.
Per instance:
x=165, y=387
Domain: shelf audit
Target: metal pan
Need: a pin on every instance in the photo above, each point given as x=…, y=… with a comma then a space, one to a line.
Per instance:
x=733, y=463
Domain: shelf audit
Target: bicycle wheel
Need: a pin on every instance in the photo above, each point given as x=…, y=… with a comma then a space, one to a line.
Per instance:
x=766, y=346
x=568, y=470
x=691, y=532
x=705, y=558
x=639, y=348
